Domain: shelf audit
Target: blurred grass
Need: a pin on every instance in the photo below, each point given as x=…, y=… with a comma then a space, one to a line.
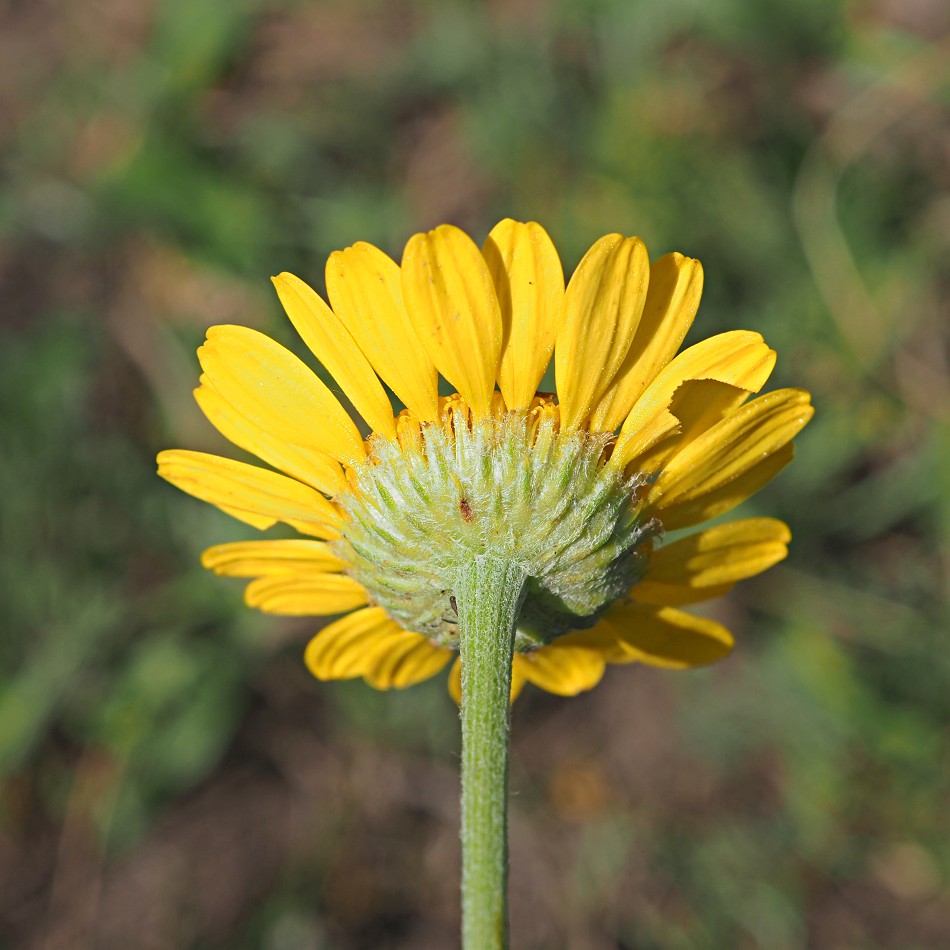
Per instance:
x=172, y=777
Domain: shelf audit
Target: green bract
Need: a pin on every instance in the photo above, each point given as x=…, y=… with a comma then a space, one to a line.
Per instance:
x=509, y=486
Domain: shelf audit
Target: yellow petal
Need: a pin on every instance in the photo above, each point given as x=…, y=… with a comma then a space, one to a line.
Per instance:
x=260, y=558
x=454, y=683
x=631, y=447
x=602, y=307
x=700, y=403
x=307, y=465
x=529, y=283
x=707, y=564
x=697, y=406
x=722, y=499
x=310, y=595
x=273, y=389
x=340, y=650
x=660, y=636
x=517, y=679
x=405, y=659
x=365, y=287
x=237, y=487
x=667, y=595
x=731, y=447
x=314, y=530
x=333, y=345
x=562, y=669
x=447, y=287
x=248, y=517
x=740, y=358
x=676, y=285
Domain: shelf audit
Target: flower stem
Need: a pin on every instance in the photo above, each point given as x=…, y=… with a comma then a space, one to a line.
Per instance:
x=488, y=594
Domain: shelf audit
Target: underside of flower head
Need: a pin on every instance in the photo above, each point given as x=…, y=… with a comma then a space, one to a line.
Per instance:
x=511, y=485
x=577, y=487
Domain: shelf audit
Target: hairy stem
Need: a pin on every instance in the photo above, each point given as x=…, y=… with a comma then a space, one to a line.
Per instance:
x=488, y=593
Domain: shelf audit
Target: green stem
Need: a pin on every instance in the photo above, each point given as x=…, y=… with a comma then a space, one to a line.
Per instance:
x=488, y=593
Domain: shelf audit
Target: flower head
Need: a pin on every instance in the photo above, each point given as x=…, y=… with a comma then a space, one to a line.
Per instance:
x=578, y=487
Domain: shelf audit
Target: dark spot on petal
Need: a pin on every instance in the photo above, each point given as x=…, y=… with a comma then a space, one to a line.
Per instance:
x=466, y=510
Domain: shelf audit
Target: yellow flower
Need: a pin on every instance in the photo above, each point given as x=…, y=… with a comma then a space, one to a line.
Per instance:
x=578, y=487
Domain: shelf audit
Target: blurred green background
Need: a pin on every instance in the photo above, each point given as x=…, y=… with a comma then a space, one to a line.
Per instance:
x=171, y=775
